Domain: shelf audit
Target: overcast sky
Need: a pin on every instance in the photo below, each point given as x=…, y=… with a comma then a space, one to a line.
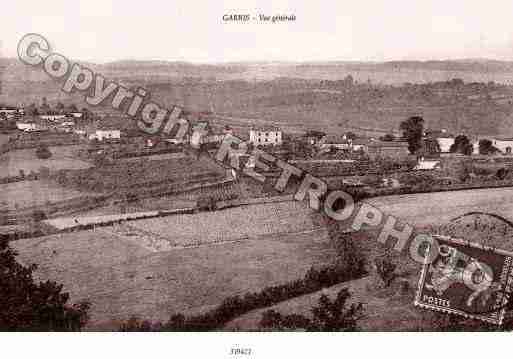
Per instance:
x=193, y=30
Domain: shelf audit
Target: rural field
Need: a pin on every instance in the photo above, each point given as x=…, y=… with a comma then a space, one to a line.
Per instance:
x=392, y=308
x=229, y=224
x=122, y=279
x=122, y=276
x=62, y=158
x=385, y=310
x=440, y=207
x=34, y=193
x=143, y=173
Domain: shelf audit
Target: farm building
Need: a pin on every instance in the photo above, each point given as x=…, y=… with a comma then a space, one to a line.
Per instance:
x=335, y=141
x=361, y=144
x=8, y=111
x=265, y=136
x=52, y=118
x=505, y=145
x=425, y=164
x=313, y=137
x=28, y=126
x=102, y=135
x=445, y=143
x=390, y=149
x=76, y=114
x=11, y=112
x=445, y=140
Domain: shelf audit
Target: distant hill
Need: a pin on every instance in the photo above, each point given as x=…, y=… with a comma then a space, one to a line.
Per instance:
x=299, y=96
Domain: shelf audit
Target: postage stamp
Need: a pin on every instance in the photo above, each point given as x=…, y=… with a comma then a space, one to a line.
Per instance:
x=466, y=279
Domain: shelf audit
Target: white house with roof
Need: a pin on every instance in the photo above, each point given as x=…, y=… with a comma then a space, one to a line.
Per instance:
x=340, y=142
x=360, y=144
x=445, y=143
x=505, y=145
x=266, y=136
x=76, y=114
x=8, y=111
x=427, y=164
x=11, y=112
x=444, y=139
x=102, y=135
x=26, y=126
x=52, y=118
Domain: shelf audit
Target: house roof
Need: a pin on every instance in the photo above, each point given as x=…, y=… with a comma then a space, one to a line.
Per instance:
x=265, y=129
x=389, y=144
x=335, y=139
x=315, y=133
x=439, y=134
x=427, y=164
x=361, y=141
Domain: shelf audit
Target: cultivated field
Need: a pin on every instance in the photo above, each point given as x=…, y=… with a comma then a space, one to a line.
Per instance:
x=121, y=278
x=34, y=193
x=392, y=308
x=230, y=224
x=62, y=158
x=143, y=173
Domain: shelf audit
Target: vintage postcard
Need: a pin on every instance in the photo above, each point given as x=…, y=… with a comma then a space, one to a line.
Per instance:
x=256, y=166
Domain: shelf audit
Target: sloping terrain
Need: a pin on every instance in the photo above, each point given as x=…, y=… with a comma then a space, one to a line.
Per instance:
x=122, y=278
x=388, y=309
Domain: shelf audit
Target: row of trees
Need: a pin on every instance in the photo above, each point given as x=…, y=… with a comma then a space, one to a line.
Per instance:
x=59, y=108
x=463, y=145
x=413, y=132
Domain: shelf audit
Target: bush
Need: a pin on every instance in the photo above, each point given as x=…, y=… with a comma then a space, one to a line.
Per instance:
x=43, y=152
x=385, y=270
x=31, y=306
x=327, y=316
x=501, y=174
x=350, y=264
x=39, y=215
x=232, y=307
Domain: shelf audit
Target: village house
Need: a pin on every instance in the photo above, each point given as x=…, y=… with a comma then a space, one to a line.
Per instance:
x=52, y=118
x=313, y=137
x=23, y=126
x=8, y=111
x=361, y=144
x=76, y=114
x=29, y=127
x=388, y=149
x=426, y=164
x=445, y=140
x=339, y=142
x=445, y=143
x=505, y=145
x=102, y=135
x=266, y=136
x=11, y=112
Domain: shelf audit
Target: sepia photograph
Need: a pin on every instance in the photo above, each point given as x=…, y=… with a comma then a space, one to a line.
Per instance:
x=251, y=175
